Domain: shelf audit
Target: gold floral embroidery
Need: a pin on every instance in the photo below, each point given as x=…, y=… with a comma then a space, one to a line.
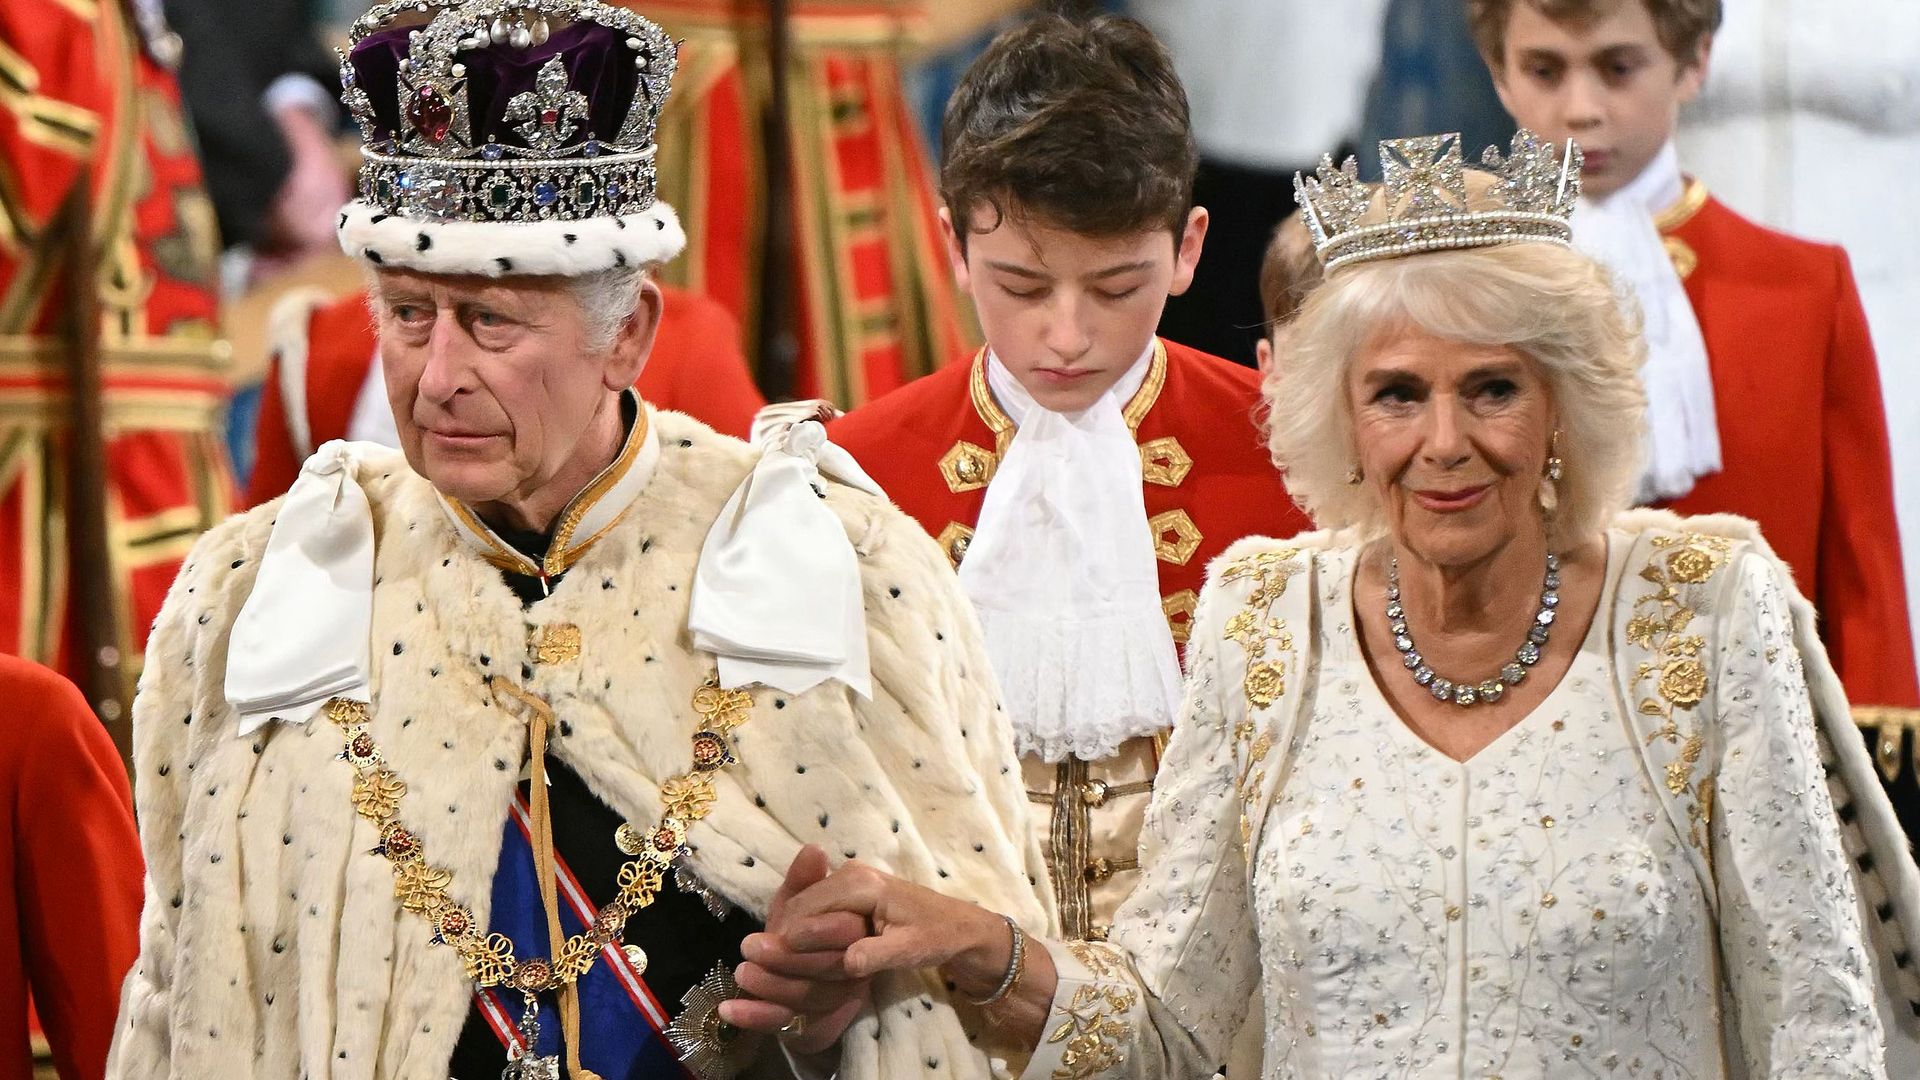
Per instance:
x=1678, y=677
x=1095, y=1030
x=1268, y=643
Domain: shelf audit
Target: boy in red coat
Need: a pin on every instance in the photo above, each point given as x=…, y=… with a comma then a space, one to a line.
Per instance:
x=323, y=384
x=1079, y=471
x=1764, y=397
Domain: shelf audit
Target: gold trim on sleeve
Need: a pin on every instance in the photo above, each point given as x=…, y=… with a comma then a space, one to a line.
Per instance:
x=1677, y=676
x=1093, y=1022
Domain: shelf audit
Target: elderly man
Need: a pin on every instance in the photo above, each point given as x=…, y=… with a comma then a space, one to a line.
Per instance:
x=489, y=756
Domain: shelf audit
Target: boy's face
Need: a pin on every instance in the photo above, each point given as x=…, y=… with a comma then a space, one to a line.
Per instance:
x=1607, y=83
x=1068, y=314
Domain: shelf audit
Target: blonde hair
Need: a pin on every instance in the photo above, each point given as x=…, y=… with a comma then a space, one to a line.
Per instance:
x=1554, y=305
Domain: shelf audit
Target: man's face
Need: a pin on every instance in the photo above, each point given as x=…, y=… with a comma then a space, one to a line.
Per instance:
x=1068, y=314
x=496, y=386
x=1607, y=84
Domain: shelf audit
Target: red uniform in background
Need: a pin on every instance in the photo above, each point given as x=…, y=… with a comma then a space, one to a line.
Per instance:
x=933, y=445
x=70, y=917
x=1803, y=438
x=325, y=359
x=79, y=91
x=877, y=303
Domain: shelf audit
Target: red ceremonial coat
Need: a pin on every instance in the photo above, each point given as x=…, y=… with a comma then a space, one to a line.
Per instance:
x=77, y=91
x=695, y=368
x=1803, y=441
x=70, y=914
x=877, y=303
x=933, y=446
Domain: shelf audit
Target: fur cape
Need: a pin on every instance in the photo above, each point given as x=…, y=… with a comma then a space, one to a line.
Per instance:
x=272, y=945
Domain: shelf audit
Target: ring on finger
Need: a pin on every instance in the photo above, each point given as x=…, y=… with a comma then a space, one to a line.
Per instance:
x=795, y=1027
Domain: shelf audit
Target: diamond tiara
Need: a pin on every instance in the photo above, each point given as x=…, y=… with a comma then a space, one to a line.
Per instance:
x=1424, y=203
x=507, y=110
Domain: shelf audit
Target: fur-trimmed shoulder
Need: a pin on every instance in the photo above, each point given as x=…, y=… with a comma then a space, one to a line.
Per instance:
x=1247, y=546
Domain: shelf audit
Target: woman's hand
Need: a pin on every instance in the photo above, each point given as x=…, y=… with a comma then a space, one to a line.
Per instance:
x=807, y=997
x=810, y=952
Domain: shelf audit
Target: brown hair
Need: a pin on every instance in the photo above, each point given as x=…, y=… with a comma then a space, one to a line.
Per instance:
x=1288, y=272
x=1081, y=124
x=1680, y=24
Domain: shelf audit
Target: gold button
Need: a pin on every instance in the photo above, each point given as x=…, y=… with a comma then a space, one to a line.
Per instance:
x=1099, y=870
x=1453, y=912
x=1549, y=900
x=1094, y=792
x=1098, y=932
x=1577, y=1040
x=1598, y=915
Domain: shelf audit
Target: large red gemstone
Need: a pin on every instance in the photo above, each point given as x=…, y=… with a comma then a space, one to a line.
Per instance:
x=550, y=117
x=430, y=114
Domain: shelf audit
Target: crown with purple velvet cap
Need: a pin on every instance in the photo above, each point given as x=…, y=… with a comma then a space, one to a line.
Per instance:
x=506, y=137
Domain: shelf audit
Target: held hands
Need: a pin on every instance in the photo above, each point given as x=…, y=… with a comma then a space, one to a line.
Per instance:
x=827, y=934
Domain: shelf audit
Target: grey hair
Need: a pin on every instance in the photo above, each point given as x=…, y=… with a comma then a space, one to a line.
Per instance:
x=607, y=299
x=1555, y=305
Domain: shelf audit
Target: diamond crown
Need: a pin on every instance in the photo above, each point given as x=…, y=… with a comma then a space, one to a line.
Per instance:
x=448, y=133
x=1426, y=203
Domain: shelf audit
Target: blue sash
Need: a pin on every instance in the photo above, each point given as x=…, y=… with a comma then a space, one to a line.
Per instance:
x=621, y=1022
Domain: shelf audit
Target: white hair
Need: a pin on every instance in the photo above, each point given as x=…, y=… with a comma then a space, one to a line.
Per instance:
x=1553, y=304
x=607, y=299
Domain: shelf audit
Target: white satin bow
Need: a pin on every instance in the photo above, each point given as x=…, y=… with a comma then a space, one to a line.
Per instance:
x=776, y=595
x=301, y=637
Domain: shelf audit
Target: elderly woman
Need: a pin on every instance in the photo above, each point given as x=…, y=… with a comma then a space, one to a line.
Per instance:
x=1492, y=780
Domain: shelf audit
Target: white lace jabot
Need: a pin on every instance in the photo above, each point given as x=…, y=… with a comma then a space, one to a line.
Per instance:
x=1683, y=433
x=1062, y=572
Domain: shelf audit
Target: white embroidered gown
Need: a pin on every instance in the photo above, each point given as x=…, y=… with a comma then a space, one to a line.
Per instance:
x=1529, y=913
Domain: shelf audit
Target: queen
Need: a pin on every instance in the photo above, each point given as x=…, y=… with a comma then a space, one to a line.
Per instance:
x=1493, y=778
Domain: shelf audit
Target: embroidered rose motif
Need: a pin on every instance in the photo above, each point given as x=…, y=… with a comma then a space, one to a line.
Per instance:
x=1691, y=565
x=1683, y=682
x=1265, y=683
x=1641, y=628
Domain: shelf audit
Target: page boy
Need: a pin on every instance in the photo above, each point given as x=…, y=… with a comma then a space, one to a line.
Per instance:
x=1079, y=471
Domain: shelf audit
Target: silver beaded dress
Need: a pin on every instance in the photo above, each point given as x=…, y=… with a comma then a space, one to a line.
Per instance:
x=1546, y=908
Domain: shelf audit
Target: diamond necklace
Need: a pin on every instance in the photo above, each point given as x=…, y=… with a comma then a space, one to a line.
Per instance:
x=1512, y=674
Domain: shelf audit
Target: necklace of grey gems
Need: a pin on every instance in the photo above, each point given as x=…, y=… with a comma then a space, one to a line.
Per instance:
x=1512, y=674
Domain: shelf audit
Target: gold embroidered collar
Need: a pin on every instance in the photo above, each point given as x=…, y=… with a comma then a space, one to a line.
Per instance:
x=1003, y=427
x=589, y=516
x=1693, y=196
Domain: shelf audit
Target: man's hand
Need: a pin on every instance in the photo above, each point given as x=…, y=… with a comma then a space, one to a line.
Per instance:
x=812, y=985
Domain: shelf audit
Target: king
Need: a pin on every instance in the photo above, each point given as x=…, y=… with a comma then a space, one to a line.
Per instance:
x=482, y=758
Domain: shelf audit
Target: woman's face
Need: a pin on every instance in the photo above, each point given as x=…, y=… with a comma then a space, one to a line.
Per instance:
x=1454, y=439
